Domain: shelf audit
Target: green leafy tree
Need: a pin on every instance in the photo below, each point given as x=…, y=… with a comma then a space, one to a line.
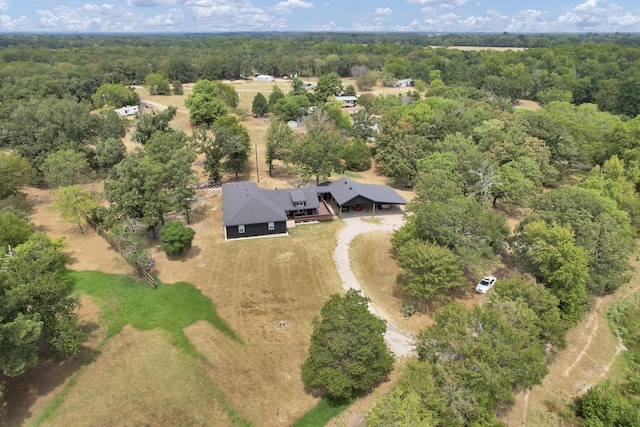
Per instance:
x=157, y=84
x=542, y=301
x=366, y=100
x=599, y=227
x=259, y=106
x=74, y=203
x=209, y=100
x=135, y=190
x=364, y=126
x=348, y=354
x=292, y=107
x=275, y=95
x=415, y=400
x=182, y=180
x=317, y=155
x=213, y=153
x=366, y=81
x=205, y=110
x=176, y=238
x=13, y=231
x=40, y=127
x=148, y=124
x=66, y=167
x=18, y=343
x=15, y=173
x=114, y=95
x=110, y=152
x=429, y=272
x=234, y=139
x=473, y=232
x=279, y=140
x=177, y=88
x=328, y=85
x=33, y=287
x=357, y=156
x=550, y=254
x=484, y=349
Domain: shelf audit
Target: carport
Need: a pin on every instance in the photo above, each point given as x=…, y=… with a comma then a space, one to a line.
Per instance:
x=347, y=193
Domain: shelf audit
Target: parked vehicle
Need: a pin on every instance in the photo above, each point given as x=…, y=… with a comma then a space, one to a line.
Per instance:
x=384, y=206
x=485, y=284
x=344, y=209
x=358, y=207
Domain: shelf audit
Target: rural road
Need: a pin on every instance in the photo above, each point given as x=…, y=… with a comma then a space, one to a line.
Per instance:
x=399, y=343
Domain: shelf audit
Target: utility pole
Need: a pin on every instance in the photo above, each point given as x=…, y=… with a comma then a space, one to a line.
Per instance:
x=257, y=172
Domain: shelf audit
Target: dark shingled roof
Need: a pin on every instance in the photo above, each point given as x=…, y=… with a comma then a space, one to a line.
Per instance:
x=245, y=203
x=345, y=190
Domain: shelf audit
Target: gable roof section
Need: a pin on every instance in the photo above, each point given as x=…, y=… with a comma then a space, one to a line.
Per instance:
x=345, y=190
x=245, y=203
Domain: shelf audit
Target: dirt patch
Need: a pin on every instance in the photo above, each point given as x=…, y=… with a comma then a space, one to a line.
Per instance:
x=87, y=250
x=127, y=386
x=526, y=104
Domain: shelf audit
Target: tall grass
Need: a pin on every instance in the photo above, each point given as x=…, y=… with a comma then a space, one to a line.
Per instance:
x=170, y=307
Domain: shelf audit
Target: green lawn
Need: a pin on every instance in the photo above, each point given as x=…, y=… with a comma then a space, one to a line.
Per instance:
x=324, y=411
x=124, y=300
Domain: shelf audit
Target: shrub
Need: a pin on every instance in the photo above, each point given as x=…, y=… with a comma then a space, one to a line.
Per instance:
x=176, y=238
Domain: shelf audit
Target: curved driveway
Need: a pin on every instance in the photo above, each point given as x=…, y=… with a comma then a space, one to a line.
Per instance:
x=401, y=344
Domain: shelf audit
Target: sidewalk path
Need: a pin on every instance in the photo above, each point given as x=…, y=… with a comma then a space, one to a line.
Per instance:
x=401, y=344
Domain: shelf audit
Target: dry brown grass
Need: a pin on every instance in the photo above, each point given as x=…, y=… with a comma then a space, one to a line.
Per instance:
x=140, y=379
x=255, y=284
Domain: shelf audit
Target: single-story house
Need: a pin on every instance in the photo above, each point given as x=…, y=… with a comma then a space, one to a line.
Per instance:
x=347, y=101
x=403, y=83
x=265, y=78
x=128, y=110
x=250, y=211
x=346, y=194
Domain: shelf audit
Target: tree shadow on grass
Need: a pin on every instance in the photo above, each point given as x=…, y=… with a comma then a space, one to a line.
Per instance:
x=51, y=373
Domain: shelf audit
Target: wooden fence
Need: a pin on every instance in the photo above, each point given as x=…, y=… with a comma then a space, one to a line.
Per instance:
x=142, y=273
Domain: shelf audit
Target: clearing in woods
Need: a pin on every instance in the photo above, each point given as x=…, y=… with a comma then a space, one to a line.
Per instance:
x=268, y=291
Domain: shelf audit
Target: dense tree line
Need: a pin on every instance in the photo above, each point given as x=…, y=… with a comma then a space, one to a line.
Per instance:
x=598, y=69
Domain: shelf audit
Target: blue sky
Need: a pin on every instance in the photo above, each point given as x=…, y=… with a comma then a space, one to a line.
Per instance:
x=515, y=16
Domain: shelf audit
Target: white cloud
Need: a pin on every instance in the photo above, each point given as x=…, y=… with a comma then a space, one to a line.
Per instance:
x=441, y=3
x=527, y=21
x=171, y=19
x=20, y=24
x=88, y=18
x=4, y=5
x=383, y=11
x=151, y=3
x=373, y=21
x=598, y=15
x=286, y=6
x=330, y=26
x=231, y=15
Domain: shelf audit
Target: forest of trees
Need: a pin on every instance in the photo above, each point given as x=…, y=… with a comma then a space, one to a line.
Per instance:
x=570, y=169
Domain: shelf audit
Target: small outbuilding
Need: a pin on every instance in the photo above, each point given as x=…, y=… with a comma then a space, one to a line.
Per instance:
x=265, y=78
x=347, y=101
x=129, y=110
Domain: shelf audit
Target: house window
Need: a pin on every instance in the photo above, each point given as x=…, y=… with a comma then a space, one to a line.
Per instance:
x=241, y=229
x=272, y=226
x=299, y=204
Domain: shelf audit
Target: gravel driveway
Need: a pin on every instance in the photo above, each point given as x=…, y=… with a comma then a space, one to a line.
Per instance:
x=401, y=344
